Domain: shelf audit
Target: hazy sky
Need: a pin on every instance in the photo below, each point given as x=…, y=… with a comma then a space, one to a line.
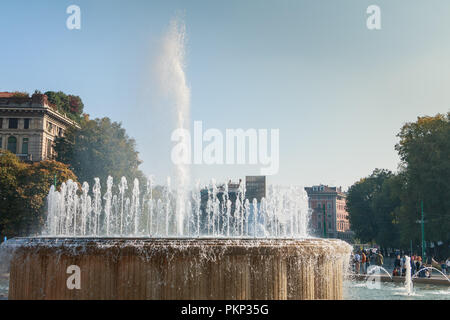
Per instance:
x=337, y=92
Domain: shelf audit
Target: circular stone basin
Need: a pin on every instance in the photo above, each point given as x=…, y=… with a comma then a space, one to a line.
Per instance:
x=145, y=268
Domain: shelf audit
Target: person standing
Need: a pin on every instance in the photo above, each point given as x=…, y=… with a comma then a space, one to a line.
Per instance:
x=448, y=265
x=403, y=263
x=413, y=264
x=418, y=263
x=379, y=258
x=397, y=263
x=357, y=262
x=363, y=262
x=367, y=261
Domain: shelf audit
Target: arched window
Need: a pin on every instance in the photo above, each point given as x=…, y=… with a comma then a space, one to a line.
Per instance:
x=12, y=144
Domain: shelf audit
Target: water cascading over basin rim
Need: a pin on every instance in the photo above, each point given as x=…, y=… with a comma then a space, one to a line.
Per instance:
x=140, y=268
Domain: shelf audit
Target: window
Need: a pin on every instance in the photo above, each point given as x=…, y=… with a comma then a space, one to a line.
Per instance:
x=1, y=123
x=25, y=146
x=13, y=123
x=12, y=144
x=318, y=206
x=26, y=123
x=329, y=205
x=1, y=144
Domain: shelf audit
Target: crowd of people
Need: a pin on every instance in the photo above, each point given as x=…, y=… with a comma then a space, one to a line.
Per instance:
x=363, y=259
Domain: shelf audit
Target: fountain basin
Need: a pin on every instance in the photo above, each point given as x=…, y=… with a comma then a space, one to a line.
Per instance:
x=138, y=268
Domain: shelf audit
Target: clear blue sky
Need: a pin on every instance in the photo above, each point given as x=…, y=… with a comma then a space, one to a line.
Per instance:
x=338, y=92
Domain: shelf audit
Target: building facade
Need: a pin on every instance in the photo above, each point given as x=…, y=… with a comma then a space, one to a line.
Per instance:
x=30, y=125
x=255, y=188
x=329, y=217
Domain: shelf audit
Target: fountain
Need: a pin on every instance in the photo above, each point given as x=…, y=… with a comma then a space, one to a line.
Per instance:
x=373, y=269
x=142, y=242
x=431, y=268
x=129, y=246
x=408, y=280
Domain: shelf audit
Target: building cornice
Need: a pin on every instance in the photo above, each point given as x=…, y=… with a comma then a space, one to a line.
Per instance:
x=41, y=110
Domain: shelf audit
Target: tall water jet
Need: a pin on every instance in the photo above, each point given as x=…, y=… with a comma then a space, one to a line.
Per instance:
x=173, y=82
x=408, y=280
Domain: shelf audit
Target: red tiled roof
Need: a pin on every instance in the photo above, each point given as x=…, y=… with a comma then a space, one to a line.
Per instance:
x=6, y=94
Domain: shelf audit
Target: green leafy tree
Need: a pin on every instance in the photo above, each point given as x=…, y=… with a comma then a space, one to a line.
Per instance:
x=23, y=190
x=100, y=148
x=71, y=105
x=386, y=205
x=372, y=205
x=386, y=208
x=424, y=150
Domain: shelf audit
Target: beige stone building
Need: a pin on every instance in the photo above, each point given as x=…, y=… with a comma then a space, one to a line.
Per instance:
x=29, y=126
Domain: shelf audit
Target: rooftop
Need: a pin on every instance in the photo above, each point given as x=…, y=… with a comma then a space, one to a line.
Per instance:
x=19, y=100
x=324, y=189
x=6, y=94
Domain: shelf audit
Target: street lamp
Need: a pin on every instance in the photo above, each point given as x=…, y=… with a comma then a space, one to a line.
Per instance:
x=422, y=222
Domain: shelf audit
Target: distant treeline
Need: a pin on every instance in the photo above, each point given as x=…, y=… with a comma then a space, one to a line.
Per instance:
x=385, y=207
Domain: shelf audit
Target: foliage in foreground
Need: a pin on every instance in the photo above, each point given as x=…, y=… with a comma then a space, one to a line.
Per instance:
x=23, y=190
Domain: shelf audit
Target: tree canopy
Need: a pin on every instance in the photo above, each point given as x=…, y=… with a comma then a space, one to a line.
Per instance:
x=424, y=150
x=372, y=208
x=69, y=104
x=386, y=207
x=100, y=148
x=23, y=190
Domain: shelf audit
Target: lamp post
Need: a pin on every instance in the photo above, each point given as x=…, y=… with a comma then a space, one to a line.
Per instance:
x=422, y=222
x=424, y=245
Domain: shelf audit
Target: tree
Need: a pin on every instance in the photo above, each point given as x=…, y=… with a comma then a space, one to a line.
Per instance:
x=388, y=210
x=372, y=204
x=23, y=190
x=71, y=105
x=100, y=148
x=386, y=205
x=424, y=150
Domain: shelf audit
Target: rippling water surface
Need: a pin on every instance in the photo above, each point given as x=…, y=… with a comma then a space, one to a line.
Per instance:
x=358, y=290
x=353, y=290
